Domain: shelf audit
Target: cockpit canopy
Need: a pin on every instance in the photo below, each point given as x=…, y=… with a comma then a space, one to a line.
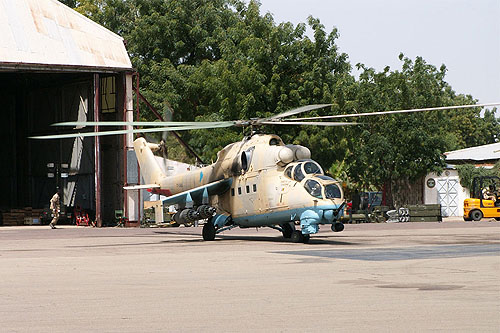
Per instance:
x=299, y=170
x=322, y=187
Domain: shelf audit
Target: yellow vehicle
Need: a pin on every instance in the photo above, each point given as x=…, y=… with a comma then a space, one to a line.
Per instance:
x=485, y=199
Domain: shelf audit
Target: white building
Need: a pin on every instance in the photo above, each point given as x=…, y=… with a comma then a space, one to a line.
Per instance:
x=445, y=188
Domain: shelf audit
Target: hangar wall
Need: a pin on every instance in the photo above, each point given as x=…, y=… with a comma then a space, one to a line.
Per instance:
x=31, y=103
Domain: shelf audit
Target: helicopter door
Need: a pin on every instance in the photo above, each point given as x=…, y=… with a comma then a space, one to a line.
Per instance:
x=245, y=198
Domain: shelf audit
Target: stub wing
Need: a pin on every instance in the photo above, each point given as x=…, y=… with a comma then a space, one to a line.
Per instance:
x=141, y=187
x=199, y=195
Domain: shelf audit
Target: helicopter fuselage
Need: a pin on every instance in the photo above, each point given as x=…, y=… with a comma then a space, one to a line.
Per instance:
x=266, y=183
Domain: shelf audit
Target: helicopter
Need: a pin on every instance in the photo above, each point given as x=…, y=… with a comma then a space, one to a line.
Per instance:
x=257, y=182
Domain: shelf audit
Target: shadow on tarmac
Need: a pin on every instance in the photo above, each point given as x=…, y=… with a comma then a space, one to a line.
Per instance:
x=320, y=240
x=279, y=239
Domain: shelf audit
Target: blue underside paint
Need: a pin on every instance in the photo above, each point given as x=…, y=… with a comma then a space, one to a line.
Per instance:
x=310, y=218
x=219, y=220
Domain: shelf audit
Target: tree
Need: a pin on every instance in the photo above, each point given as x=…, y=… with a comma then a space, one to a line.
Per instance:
x=467, y=173
x=223, y=60
x=396, y=150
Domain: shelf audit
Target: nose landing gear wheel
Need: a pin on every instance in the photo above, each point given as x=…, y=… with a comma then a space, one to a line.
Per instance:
x=298, y=237
x=208, y=231
x=306, y=238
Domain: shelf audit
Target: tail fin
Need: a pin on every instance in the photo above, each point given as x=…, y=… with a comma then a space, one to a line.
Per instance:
x=150, y=169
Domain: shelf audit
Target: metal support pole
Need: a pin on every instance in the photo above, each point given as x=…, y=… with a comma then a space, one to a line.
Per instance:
x=125, y=141
x=131, y=196
x=139, y=203
x=97, y=154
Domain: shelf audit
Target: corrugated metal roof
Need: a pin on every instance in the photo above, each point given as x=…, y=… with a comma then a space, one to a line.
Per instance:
x=46, y=32
x=479, y=153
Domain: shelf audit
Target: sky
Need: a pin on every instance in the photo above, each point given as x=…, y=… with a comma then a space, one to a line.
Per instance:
x=462, y=34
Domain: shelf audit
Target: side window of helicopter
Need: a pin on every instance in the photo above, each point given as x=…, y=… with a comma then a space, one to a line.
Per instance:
x=274, y=142
x=298, y=175
x=311, y=168
x=288, y=171
x=332, y=191
x=314, y=188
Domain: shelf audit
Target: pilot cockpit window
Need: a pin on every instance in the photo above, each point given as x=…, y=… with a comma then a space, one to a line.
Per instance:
x=288, y=171
x=313, y=187
x=311, y=168
x=298, y=175
x=332, y=191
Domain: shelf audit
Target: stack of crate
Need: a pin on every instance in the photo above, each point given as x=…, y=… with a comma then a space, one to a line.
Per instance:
x=25, y=216
x=13, y=217
x=28, y=218
x=36, y=215
x=425, y=213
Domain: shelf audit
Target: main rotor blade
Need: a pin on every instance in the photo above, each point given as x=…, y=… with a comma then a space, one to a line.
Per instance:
x=297, y=110
x=396, y=111
x=312, y=123
x=144, y=130
x=139, y=123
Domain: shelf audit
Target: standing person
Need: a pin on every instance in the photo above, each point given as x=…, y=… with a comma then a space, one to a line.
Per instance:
x=55, y=208
x=355, y=201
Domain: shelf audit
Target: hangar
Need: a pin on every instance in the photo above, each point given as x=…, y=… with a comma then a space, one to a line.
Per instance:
x=57, y=65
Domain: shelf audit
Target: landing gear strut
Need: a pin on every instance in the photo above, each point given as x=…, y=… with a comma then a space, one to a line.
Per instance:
x=287, y=230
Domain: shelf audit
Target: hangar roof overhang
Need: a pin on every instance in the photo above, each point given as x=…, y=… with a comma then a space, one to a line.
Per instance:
x=46, y=35
x=484, y=153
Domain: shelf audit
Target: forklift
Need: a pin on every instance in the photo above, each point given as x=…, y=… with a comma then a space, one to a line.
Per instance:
x=485, y=199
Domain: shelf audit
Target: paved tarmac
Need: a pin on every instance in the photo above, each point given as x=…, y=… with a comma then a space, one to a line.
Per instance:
x=403, y=277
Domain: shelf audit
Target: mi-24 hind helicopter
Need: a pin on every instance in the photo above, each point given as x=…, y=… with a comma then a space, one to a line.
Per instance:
x=257, y=182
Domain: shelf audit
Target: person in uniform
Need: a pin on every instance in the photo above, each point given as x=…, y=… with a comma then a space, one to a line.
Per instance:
x=55, y=208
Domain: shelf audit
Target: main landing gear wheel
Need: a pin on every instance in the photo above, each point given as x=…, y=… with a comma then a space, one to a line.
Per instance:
x=287, y=230
x=476, y=215
x=298, y=237
x=306, y=238
x=208, y=231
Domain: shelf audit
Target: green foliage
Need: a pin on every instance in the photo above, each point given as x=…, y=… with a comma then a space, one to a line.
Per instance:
x=406, y=145
x=467, y=173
